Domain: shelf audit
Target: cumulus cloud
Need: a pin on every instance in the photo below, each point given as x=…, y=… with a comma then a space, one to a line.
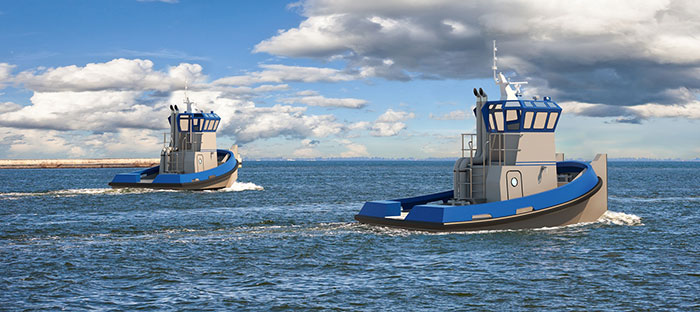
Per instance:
x=622, y=53
x=119, y=96
x=319, y=100
x=248, y=122
x=390, y=123
x=92, y=111
x=118, y=74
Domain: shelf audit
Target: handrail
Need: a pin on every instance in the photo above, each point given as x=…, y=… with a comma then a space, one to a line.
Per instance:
x=500, y=150
x=471, y=146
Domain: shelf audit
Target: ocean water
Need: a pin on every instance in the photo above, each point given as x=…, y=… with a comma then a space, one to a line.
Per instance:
x=284, y=238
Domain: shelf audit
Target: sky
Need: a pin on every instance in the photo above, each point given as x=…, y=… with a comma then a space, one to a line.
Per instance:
x=330, y=79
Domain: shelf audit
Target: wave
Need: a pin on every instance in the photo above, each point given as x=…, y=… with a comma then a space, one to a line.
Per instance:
x=654, y=199
x=242, y=186
x=609, y=217
x=236, y=187
x=83, y=191
x=620, y=218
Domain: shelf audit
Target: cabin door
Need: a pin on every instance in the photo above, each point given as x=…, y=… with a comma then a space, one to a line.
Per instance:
x=200, y=163
x=514, y=184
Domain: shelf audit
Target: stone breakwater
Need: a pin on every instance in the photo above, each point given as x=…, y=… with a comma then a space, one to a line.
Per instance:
x=77, y=163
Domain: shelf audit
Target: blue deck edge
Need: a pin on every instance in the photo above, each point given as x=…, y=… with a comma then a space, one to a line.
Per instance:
x=421, y=211
x=172, y=178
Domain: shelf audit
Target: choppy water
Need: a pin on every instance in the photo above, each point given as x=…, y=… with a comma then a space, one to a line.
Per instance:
x=285, y=239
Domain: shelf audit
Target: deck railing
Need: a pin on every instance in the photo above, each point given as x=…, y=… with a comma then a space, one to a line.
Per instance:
x=497, y=147
x=495, y=154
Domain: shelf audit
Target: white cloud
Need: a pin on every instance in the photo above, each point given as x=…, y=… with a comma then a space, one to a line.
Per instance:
x=141, y=142
x=270, y=88
x=38, y=143
x=248, y=122
x=306, y=152
x=690, y=110
x=92, y=111
x=122, y=94
x=360, y=125
x=118, y=74
x=393, y=116
x=319, y=100
x=277, y=73
x=316, y=36
x=7, y=107
x=459, y=114
x=307, y=93
x=353, y=149
x=390, y=123
x=5, y=73
x=634, y=114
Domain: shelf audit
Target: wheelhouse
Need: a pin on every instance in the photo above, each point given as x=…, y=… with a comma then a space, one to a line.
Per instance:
x=521, y=115
x=197, y=122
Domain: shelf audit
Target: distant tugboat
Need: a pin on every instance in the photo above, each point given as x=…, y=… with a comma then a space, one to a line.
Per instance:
x=191, y=160
x=509, y=176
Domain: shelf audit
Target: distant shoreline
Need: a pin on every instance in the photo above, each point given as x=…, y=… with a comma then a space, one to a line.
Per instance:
x=78, y=163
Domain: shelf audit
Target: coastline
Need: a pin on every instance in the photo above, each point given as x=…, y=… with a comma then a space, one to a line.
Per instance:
x=78, y=163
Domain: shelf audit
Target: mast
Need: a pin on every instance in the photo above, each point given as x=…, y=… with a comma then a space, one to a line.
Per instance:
x=510, y=90
x=187, y=99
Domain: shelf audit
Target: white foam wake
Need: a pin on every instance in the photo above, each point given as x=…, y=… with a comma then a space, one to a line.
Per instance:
x=620, y=218
x=655, y=199
x=242, y=186
x=76, y=192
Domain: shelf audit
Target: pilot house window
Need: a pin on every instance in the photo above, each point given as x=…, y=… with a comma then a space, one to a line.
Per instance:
x=540, y=120
x=528, y=120
x=184, y=123
x=513, y=119
x=552, y=120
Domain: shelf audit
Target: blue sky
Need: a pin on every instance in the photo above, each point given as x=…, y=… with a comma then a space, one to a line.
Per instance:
x=343, y=78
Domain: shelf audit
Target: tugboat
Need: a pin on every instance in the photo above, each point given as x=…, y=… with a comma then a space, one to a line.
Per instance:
x=191, y=160
x=509, y=175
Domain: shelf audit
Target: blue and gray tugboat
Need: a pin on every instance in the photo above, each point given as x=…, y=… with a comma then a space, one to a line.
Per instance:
x=509, y=175
x=191, y=160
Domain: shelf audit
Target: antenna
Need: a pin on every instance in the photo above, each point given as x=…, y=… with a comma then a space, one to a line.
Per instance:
x=187, y=99
x=495, y=68
x=510, y=90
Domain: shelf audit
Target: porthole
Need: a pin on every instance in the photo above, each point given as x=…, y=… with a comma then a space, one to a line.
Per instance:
x=514, y=182
x=200, y=162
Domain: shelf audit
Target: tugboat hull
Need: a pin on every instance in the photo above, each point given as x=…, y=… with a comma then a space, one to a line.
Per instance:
x=582, y=200
x=219, y=177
